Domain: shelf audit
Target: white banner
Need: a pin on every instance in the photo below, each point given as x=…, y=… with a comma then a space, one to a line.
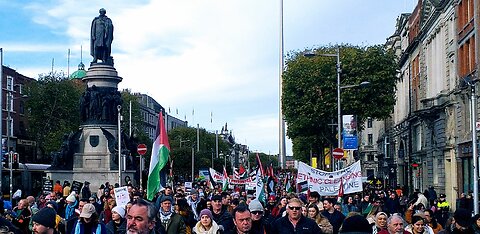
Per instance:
x=328, y=183
x=121, y=196
x=216, y=176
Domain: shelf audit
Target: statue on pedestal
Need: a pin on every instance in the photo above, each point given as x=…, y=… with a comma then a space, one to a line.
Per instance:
x=101, y=38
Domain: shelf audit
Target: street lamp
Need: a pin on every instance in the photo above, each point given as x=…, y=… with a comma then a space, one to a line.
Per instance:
x=339, y=89
x=119, y=118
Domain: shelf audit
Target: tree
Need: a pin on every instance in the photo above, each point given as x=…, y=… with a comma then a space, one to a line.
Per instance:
x=53, y=110
x=183, y=139
x=310, y=92
x=137, y=121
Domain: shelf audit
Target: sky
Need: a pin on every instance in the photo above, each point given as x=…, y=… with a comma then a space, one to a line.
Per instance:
x=215, y=62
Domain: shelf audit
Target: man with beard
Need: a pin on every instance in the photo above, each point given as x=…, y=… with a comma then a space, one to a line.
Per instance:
x=395, y=225
x=141, y=218
x=44, y=221
x=294, y=221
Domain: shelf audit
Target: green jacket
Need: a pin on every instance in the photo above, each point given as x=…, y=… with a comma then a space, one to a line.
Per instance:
x=175, y=225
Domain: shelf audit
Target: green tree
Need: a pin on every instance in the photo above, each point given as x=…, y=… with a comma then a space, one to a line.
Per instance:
x=53, y=110
x=310, y=92
x=183, y=139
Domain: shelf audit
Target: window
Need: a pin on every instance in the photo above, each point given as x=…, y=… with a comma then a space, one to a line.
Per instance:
x=9, y=102
x=22, y=107
x=20, y=88
x=9, y=83
x=370, y=139
x=369, y=123
x=10, y=127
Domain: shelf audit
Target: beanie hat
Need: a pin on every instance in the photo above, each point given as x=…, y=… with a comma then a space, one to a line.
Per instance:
x=119, y=210
x=255, y=205
x=356, y=224
x=206, y=212
x=45, y=217
x=193, y=191
x=71, y=198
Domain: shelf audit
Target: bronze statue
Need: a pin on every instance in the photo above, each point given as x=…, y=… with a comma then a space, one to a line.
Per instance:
x=101, y=38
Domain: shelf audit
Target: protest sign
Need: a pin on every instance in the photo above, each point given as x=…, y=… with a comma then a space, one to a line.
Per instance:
x=121, y=196
x=328, y=183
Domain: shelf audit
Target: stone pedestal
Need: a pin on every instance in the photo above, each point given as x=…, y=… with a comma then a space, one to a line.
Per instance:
x=95, y=157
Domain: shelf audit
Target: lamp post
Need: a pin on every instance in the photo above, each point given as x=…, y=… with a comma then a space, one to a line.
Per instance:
x=339, y=102
x=119, y=118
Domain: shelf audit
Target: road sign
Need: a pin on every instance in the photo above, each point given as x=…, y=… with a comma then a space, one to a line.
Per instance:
x=142, y=149
x=338, y=153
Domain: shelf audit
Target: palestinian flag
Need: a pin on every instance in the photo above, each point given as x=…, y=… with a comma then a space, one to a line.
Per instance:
x=225, y=180
x=158, y=160
x=260, y=188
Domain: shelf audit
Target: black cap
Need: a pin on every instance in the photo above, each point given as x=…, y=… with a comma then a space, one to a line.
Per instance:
x=217, y=197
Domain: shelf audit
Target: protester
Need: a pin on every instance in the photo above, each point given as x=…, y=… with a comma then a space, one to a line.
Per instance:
x=183, y=209
x=418, y=226
x=349, y=206
x=106, y=214
x=89, y=222
x=21, y=215
x=462, y=221
x=193, y=201
x=206, y=225
x=321, y=220
x=168, y=221
x=334, y=216
x=294, y=222
x=431, y=221
x=44, y=221
x=86, y=193
x=260, y=223
x=380, y=222
x=141, y=218
x=242, y=219
x=118, y=224
x=395, y=225
x=220, y=214
x=355, y=224
x=71, y=203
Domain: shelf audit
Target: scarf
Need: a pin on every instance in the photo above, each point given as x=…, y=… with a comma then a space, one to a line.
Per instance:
x=165, y=218
x=80, y=229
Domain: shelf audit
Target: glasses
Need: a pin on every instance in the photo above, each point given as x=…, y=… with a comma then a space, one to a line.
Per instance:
x=257, y=212
x=294, y=207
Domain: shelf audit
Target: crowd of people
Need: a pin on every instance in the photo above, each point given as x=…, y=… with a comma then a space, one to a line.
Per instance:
x=202, y=210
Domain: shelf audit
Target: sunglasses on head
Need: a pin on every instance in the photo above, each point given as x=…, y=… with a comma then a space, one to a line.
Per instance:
x=295, y=207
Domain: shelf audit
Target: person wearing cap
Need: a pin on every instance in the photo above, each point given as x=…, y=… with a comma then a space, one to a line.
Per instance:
x=168, y=221
x=118, y=223
x=294, y=222
x=44, y=221
x=86, y=193
x=193, y=201
x=89, y=222
x=443, y=211
x=220, y=214
x=260, y=223
x=206, y=225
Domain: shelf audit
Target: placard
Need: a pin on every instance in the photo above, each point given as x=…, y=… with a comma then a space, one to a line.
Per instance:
x=121, y=196
x=76, y=187
x=47, y=186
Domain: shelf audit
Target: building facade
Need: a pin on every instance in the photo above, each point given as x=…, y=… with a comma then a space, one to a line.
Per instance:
x=14, y=121
x=149, y=109
x=428, y=139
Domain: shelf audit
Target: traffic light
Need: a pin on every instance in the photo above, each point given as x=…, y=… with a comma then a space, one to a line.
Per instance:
x=15, y=161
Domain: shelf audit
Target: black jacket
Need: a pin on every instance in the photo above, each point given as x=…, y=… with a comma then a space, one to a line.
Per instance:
x=121, y=229
x=304, y=226
x=224, y=219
